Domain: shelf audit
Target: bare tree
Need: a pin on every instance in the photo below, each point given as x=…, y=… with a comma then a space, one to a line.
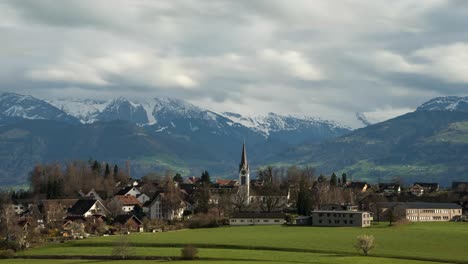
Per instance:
x=123, y=248
x=365, y=243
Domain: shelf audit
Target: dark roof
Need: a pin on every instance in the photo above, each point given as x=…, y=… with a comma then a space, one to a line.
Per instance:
x=257, y=215
x=420, y=205
x=357, y=185
x=123, y=219
x=243, y=164
x=124, y=190
x=81, y=207
x=265, y=191
x=389, y=185
x=427, y=184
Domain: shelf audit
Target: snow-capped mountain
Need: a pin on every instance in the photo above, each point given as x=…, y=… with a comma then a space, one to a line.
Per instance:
x=14, y=105
x=271, y=123
x=448, y=103
x=85, y=110
x=170, y=116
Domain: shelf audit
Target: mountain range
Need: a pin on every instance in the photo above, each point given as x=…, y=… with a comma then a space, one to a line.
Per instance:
x=429, y=144
x=155, y=134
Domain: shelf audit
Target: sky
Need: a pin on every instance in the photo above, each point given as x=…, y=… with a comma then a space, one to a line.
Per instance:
x=328, y=59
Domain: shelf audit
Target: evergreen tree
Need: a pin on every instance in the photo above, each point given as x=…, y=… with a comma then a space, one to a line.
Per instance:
x=333, y=180
x=116, y=170
x=321, y=178
x=205, y=178
x=96, y=167
x=178, y=178
x=344, y=177
x=107, y=171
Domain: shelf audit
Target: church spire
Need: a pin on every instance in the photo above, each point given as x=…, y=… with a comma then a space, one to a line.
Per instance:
x=244, y=164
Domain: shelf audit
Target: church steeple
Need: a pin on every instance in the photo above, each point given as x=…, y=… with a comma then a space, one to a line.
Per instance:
x=243, y=164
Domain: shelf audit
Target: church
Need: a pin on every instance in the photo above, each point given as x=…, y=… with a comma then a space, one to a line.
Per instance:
x=257, y=197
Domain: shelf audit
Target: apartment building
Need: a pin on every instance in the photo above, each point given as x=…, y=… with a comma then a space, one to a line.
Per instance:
x=341, y=218
x=418, y=211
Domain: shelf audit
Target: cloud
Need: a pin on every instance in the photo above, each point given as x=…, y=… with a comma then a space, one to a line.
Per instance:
x=322, y=58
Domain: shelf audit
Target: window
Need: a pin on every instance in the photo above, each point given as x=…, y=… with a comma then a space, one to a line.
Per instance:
x=233, y=220
x=329, y=221
x=277, y=221
x=266, y=221
x=320, y=221
x=351, y=222
x=337, y=221
x=242, y=221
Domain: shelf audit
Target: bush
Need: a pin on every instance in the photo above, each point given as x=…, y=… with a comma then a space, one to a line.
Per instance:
x=203, y=221
x=9, y=245
x=9, y=253
x=189, y=252
x=365, y=243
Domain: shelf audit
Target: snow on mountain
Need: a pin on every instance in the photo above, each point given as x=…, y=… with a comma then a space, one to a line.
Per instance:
x=123, y=109
x=85, y=110
x=167, y=115
x=448, y=103
x=24, y=106
x=267, y=124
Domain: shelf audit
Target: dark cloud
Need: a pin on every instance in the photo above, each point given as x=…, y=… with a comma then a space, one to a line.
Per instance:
x=321, y=58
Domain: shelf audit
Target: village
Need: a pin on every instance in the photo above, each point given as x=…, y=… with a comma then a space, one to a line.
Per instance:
x=142, y=205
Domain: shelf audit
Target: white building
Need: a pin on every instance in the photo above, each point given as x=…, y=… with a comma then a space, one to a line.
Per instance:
x=255, y=218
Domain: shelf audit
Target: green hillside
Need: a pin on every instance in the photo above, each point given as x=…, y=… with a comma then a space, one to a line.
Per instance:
x=422, y=146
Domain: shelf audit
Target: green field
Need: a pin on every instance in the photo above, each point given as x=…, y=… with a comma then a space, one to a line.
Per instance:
x=412, y=243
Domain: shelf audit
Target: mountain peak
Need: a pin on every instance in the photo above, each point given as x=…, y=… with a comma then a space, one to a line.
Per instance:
x=447, y=103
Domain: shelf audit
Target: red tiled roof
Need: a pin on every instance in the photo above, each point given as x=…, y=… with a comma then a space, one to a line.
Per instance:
x=128, y=200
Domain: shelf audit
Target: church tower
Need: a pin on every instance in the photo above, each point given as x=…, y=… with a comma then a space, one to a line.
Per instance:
x=244, y=176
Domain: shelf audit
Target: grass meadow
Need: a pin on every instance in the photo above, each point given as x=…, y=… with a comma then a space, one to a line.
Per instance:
x=412, y=243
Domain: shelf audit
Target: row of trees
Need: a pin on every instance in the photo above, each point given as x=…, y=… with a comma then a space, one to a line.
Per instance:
x=52, y=181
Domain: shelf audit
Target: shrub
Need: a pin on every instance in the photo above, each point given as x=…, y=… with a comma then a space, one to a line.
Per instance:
x=189, y=252
x=365, y=243
x=9, y=245
x=203, y=221
x=9, y=253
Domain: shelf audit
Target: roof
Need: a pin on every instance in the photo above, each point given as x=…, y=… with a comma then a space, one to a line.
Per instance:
x=81, y=207
x=124, y=190
x=275, y=215
x=389, y=185
x=265, y=191
x=123, y=219
x=223, y=182
x=128, y=200
x=357, y=185
x=421, y=205
x=339, y=211
x=427, y=184
x=243, y=164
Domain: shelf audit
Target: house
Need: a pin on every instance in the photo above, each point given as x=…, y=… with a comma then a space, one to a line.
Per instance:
x=256, y=218
x=127, y=203
x=226, y=183
x=93, y=195
x=129, y=223
x=160, y=209
x=417, y=211
x=416, y=190
x=358, y=186
x=88, y=208
x=341, y=218
x=143, y=198
x=18, y=208
x=129, y=190
x=428, y=187
x=461, y=187
x=389, y=189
